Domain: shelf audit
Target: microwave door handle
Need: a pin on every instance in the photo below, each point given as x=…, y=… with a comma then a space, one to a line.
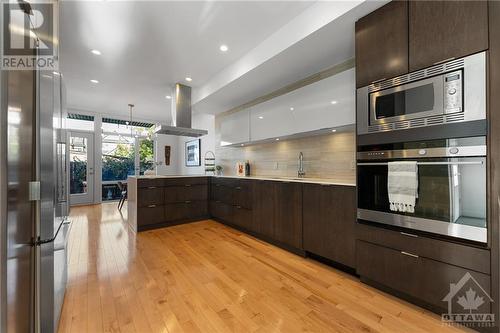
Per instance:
x=429, y=163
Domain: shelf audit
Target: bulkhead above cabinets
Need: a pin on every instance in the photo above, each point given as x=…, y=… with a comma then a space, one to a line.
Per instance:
x=316, y=108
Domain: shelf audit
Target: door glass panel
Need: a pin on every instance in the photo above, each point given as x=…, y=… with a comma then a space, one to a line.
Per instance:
x=405, y=102
x=78, y=154
x=453, y=193
x=118, y=162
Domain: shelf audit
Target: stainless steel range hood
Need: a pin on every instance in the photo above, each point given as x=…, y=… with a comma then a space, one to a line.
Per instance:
x=181, y=115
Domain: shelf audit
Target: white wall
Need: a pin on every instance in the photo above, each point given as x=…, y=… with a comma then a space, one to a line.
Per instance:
x=160, y=143
x=199, y=121
x=177, y=144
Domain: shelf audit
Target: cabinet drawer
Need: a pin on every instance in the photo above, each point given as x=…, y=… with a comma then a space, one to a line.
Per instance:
x=421, y=278
x=222, y=193
x=221, y=211
x=469, y=257
x=151, y=195
x=230, y=182
x=242, y=217
x=151, y=214
x=185, y=210
x=181, y=181
x=187, y=192
x=153, y=182
x=242, y=194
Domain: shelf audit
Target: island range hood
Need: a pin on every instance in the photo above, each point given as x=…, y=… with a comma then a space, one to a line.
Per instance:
x=181, y=115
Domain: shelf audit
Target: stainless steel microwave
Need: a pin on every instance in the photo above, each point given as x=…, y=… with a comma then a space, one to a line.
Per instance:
x=454, y=91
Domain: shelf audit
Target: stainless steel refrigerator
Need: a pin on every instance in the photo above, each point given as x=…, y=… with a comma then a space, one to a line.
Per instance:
x=33, y=200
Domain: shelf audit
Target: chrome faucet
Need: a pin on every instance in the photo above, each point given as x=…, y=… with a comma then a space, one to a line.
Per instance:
x=301, y=173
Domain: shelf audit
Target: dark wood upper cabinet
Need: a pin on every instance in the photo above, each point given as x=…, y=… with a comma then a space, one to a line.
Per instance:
x=329, y=222
x=382, y=43
x=441, y=30
x=288, y=222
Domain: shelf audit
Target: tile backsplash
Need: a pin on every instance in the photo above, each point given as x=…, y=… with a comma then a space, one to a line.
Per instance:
x=326, y=156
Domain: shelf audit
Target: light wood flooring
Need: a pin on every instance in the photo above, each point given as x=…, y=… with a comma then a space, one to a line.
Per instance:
x=206, y=277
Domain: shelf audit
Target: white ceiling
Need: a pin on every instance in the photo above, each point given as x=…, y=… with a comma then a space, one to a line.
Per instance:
x=148, y=46
x=329, y=44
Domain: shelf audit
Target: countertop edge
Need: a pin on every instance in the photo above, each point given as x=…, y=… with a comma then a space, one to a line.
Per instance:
x=284, y=179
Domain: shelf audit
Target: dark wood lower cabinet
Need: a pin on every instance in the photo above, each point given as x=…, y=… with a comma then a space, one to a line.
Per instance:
x=158, y=202
x=150, y=215
x=288, y=214
x=422, y=279
x=221, y=211
x=185, y=210
x=264, y=207
x=242, y=217
x=329, y=213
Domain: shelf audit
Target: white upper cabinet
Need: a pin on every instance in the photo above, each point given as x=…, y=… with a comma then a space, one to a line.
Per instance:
x=235, y=128
x=328, y=103
x=272, y=119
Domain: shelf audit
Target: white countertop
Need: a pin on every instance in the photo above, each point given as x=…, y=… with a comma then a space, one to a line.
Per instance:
x=326, y=181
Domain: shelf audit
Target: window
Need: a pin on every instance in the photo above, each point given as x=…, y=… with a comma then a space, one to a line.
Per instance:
x=80, y=122
x=127, y=150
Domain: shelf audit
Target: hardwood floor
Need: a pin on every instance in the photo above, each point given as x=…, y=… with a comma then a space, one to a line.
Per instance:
x=206, y=277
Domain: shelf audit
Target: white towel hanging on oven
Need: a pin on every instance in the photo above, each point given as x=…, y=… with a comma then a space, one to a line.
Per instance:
x=402, y=186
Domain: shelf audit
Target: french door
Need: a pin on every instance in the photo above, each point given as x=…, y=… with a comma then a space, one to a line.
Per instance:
x=81, y=163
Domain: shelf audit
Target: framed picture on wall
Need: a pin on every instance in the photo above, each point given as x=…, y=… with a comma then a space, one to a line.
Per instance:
x=193, y=153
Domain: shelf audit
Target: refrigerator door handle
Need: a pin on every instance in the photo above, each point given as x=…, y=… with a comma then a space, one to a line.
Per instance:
x=39, y=241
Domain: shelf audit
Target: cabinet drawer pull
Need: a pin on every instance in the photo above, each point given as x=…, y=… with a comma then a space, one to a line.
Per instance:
x=409, y=254
x=238, y=187
x=151, y=206
x=238, y=207
x=217, y=201
x=409, y=235
x=217, y=185
x=187, y=201
x=151, y=187
x=187, y=185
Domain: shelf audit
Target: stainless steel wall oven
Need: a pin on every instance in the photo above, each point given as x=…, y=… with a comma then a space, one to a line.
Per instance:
x=451, y=175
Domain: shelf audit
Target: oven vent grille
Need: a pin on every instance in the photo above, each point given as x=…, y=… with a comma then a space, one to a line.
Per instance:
x=415, y=123
x=401, y=125
x=455, y=64
x=436, y=120
x=456, y=117
x=418, y=75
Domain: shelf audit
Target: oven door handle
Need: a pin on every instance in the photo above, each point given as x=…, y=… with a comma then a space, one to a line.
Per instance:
x=429, y=163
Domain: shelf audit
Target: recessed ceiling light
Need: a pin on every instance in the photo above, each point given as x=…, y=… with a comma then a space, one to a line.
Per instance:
x=291, y=109
x=334, y=130
x=277, y=139
x=94, y=81
x=223, y=48
x=333, y=102
x=242, y=144
x=168, y=97
x=96, y=52
x=188, y=79
x=260, y=117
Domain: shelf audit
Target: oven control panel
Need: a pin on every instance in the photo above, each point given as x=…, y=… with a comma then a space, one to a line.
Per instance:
x=453, y=92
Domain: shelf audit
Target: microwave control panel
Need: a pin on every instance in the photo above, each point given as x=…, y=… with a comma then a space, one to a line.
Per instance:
x=453, y=92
